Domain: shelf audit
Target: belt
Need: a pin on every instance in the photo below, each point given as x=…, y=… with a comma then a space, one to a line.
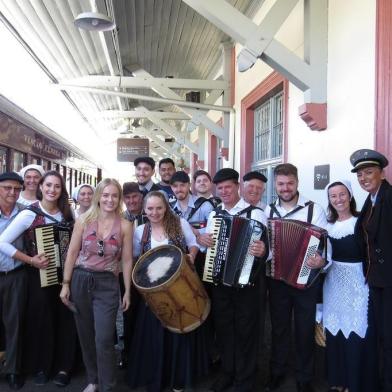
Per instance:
x=18, y=268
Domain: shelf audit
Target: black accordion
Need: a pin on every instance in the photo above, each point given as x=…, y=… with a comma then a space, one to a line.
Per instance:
x=229, y=261
x=53, y=240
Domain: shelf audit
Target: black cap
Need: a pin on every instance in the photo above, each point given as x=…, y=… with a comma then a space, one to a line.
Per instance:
x=180, y=176
x=225, y=174
x=147, y=160
x=365, y=157
x=130, y=187
x=12, y=176
x=254, y=175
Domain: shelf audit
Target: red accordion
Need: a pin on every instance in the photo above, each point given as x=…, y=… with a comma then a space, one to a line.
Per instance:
x=292, y=243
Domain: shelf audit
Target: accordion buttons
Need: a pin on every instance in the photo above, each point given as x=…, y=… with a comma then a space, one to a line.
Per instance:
x=381, y=261
x=378, y=250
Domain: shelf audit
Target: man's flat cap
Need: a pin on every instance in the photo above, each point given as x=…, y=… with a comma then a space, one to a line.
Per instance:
x=365, y=157
x=225, y=174
x=254, y=175
x=147, y=160
x=11, y=176
x=180, y=176
x=130, y=187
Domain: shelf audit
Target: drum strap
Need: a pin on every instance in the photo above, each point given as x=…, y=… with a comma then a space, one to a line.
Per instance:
x=145, y=235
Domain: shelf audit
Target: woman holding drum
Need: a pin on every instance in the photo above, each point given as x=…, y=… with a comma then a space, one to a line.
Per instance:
x=100, y=240
x=160, y=358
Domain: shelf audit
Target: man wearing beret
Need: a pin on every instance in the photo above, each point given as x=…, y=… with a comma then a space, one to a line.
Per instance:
x=285, y=300
x=12, y=282
x=254, y=187
x=236, y=310
x=375, y=222
x=144, y=170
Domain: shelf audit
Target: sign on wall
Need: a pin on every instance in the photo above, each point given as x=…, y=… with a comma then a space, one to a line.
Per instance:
x=130, y=149
x=321, y=176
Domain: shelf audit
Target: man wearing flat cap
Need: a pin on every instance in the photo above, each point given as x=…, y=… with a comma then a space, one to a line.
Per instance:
x=254, y=187
x=12, y=282
x=133, y=200
x=144, y=170
x=236, y=310
x=375, y=221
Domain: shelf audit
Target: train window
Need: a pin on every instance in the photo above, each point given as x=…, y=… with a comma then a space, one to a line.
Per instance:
x=45, y=164
x=3, y=159
x=18, y=160
x=35, y=160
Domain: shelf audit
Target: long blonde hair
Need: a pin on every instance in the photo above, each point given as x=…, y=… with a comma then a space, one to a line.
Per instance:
x=171, y=222
x=93, y=212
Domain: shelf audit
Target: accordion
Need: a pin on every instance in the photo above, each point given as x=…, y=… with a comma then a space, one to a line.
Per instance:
x=229, y=261
x=53, y=240
x=292, y=243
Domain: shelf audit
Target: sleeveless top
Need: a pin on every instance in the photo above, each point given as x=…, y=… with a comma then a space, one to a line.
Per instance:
x=89, y=256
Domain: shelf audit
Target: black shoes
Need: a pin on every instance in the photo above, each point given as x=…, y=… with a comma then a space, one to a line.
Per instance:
x=15, y=381
x=222, y=383
x=62, y=379
x=304, y=387
x=274, y=383
x=40, y=379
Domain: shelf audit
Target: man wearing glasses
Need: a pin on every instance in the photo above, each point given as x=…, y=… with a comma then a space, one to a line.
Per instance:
x=12, y=282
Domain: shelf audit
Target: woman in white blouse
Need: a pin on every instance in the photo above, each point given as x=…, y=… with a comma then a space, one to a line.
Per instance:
x=50, y=339
x=345, y=296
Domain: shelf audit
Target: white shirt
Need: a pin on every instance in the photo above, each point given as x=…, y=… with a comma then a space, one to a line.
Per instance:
x=18, y=226
x=190, y=238
x=318, y=219
x=256, y=213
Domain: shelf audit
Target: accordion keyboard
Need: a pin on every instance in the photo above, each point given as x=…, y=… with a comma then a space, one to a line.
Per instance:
x=212, y=252
x=45, y=242
x=248, y=262
x=310, y=251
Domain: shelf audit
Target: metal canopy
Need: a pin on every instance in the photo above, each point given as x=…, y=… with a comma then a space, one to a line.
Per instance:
x=160, y=48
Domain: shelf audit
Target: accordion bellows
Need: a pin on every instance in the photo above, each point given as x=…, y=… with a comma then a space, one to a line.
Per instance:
x=292, y=243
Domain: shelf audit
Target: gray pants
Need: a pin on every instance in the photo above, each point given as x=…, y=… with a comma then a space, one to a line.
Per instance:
x=12, y=312
x=96, y=297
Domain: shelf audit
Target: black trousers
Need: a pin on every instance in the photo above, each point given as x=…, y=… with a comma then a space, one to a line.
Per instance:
x=381, y=306
x=13, y=308
x=50, y=338
x=284, y=301
x=236, y=320
x=129, y=316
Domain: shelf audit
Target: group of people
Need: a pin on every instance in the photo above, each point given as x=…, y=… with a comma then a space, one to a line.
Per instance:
x=44, y=326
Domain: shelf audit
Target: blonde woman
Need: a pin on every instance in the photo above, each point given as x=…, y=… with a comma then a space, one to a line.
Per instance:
x=100, y=240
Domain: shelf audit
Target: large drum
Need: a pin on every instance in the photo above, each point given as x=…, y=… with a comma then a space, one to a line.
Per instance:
x=171, y=288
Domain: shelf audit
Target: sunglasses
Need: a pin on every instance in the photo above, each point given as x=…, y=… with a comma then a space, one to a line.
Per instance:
x=100, y=252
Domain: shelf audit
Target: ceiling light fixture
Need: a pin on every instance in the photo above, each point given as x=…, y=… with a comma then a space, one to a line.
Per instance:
x=94, y=21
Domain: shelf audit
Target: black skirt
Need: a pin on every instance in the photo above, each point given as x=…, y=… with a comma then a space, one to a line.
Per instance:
x=159, y=358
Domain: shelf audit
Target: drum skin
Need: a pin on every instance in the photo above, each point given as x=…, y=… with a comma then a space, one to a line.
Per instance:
x=180, y=302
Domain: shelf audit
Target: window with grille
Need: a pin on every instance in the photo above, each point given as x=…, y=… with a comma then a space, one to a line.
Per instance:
x=268, y=140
